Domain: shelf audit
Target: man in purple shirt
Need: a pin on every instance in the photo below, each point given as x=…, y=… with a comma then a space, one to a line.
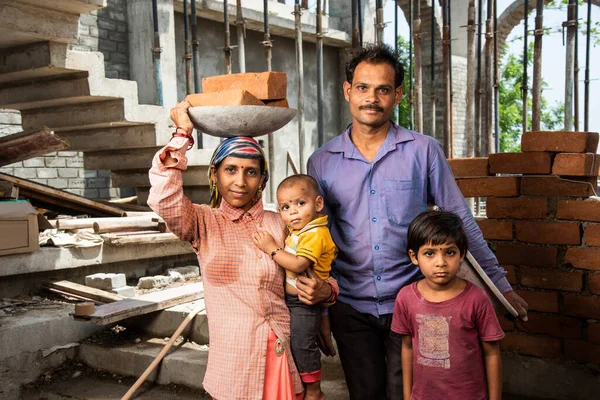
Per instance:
x=375, y=178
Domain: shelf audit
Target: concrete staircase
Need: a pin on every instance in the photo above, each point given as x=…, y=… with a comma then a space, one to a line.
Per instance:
x=66, y=90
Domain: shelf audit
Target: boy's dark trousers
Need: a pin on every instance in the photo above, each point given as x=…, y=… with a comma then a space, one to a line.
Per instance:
x=370, y=354
x=304, y=326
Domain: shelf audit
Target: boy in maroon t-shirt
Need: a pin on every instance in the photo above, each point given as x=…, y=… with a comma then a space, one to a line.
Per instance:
x=449, y=329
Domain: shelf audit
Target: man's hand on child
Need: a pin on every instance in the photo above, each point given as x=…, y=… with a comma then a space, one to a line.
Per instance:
x=264, y=241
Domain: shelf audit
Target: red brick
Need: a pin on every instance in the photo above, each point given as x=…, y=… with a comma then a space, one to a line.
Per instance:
x=237, y=97
x=551, y=279
x=522, y=254
x=493, y=186
x=531, y=345
x=582, y=306
x=594, y=283
x=582, y=351
x=560, y=142
x=469, y=167
x=592, y=235
x=553, y=325
x=532, y=162
x=511, y=275
x=540, y=301
x=579, y=210
x=495, y=230
x=506, y=324
x=575, y=164
x=583, y=258
x=283, y=103
x=555, y=186
x=594, y=333
x=548, y=232
x=517, y=208
x=263, y=85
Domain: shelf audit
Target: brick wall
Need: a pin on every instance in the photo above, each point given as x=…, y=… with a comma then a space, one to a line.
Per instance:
x=545, y=230
x=105, y=30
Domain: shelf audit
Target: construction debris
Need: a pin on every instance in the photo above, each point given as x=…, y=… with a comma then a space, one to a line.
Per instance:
x=25, y=145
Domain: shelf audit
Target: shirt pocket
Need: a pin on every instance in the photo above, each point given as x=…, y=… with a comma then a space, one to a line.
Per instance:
x=404, y=200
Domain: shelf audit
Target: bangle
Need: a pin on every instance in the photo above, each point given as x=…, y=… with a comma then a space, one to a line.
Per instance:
x=275, y=252
x=185, y=130
x=186, y=135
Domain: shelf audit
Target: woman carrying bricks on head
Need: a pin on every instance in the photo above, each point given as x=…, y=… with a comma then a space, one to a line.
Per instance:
x=248, y=319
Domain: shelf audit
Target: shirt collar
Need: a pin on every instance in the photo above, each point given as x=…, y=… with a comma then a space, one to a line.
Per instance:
x=396, y=134
x=234, y=213
x=321, y=220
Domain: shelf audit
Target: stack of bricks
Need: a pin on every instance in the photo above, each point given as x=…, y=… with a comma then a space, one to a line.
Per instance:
x=543, y=222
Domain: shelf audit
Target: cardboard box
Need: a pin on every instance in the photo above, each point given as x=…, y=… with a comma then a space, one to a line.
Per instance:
x=19, y=228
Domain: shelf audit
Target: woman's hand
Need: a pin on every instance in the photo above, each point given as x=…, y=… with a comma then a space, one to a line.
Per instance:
x=179, y=116
x=264, y=241
x=312, y=289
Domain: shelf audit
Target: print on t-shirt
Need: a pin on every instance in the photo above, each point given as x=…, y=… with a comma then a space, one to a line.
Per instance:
x=434, y=348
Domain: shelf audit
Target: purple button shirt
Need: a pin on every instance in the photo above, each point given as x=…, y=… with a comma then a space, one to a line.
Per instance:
x=371, y=204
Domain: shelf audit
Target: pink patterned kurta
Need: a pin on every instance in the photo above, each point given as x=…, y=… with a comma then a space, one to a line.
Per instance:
x=243, y=287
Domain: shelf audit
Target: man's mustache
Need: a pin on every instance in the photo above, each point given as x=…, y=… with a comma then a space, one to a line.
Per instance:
x=371, y=107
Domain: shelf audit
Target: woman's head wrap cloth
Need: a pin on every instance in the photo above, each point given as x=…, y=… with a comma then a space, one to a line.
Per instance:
x=240, y=147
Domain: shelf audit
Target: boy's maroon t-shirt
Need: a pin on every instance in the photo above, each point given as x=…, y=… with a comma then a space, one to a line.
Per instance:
x=447, y=355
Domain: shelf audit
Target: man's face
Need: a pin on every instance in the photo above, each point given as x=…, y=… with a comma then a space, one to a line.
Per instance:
x=372, y=94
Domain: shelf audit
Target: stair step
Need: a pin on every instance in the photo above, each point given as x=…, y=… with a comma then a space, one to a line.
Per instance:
x=68, y=6
x=137, y=158
x=32, y=61
x=192, y=176
x=46, y=92
x=106, y=136
x=91, y=110
x=197, y=194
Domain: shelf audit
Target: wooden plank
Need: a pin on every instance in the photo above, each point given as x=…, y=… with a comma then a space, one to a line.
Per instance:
x=48, y=195
x=147, y=303
x=78, y=223
x=124, y=224
x=8, y=190
x=142, y=238
x=25, y=145
x=73, y=296
x=85, y=291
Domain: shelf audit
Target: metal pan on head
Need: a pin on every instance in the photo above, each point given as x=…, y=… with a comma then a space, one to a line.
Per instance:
x=229, y=121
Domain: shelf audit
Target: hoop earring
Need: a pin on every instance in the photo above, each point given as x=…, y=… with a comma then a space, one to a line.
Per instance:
x=258, y=195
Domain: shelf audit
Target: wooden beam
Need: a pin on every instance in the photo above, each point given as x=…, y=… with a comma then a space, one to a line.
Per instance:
x=141, y=238
x=25, y=145
x=147, y=303
x=85, y=291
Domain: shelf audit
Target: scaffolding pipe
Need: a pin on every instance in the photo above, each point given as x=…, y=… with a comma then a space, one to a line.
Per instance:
x=586, y=105
x=187, y=57
x=524, y=84
x=536, y=101
x=451, y=139
x=360, y=23
x=241, y=36
x=432, y=87
x=355, y=41
x=447, y=95
x=299, y=83
x=320, y=127
x=410, y=65
x=268, y=56
x=397, y=54
x=418, y=91
x=227, y=47
x=496, y=82
x=576, y=72
x=489, y=48
x=470, y=112
x=478, y=92
x=196, y=58
x=156, y=50
x=571, y=25
x=379, y=24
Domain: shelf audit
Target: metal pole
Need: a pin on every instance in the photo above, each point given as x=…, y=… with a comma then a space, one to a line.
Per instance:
x=196, y=57
x=586, y=118
x=447, y=100
x=299, y=83
x=320, y=127
x=536, y=101
x=470, y=117
x=241, y=36
x=355, y=41
x=571, y=25
x=489, y=48
x=156, y=50
x=418, y=91
x=524, y=85
x=432, y=87
x=268, y=46
x=397, y=55
x=227, y=47
x=360, y=23
x=379, y=24
x=576, y=72
x=478, y=92
x=410, y=65
x=451, y=131
x=496, y=82
x=187, y=57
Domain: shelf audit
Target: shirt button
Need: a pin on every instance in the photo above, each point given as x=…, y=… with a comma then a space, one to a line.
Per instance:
x=376, y=247
x=378, y=277
x=372, y=192
x=374, y=219
x=380, y=302
x=260, y=256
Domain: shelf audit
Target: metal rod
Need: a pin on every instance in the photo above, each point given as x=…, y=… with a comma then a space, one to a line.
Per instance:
x=524, y=84
x=268, y=56
x=478, y=92
x=586, y=106
x=536, y=100
x=410, y=65
x=397, y=54
x=496, y=82
x=156, y=50
x=320, y=126
x=571, y=25
x=470, y=111
x=360, y=23
x=446, y=55
x=187, y=57
x=418, y=91
x=299, y=83
x=451, y=131
x=432, y=86
x=196, y=58
x=227, y=47
x=241, y=36
x=489, y=48
x=576, y=73
x=355, y=41
x=379, y=24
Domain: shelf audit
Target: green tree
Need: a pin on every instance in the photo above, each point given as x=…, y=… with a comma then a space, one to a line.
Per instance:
x=404, y=56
